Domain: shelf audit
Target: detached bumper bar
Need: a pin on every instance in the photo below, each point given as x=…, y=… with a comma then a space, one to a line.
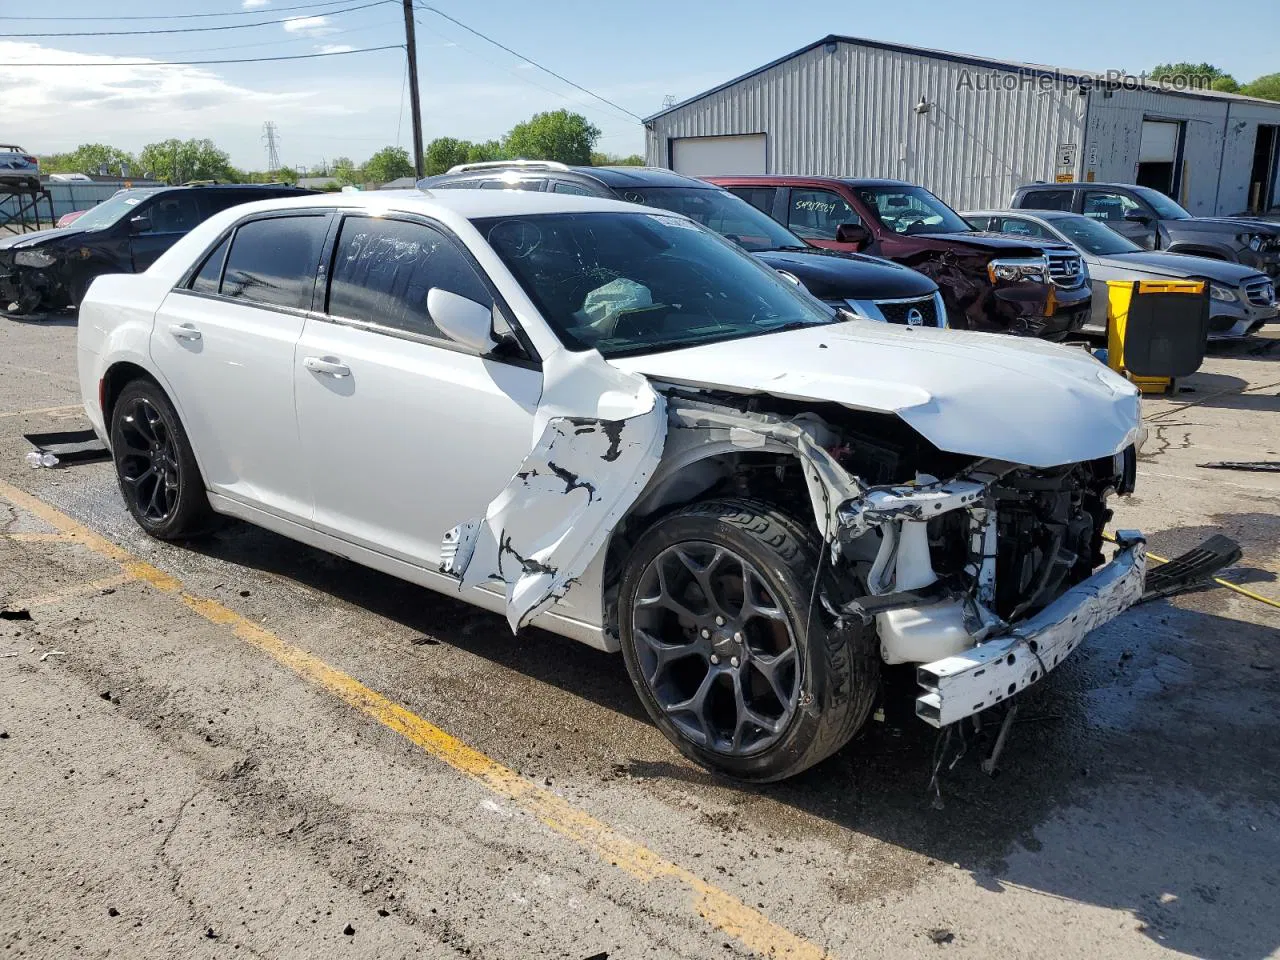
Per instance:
x=960, y=686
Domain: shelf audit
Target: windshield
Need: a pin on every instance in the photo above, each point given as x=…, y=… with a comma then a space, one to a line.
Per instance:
x=626, y=283
x=721, y=211
x=912, y=210
x=109, y=211
x=1093, y=237
x=1165, y=208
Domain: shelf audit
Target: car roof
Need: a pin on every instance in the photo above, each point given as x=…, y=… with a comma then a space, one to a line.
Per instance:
x=612, y=177
x=1075, y=185
x=463, y=203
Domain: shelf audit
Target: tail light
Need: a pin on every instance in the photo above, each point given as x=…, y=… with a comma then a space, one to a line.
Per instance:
x=31, y=159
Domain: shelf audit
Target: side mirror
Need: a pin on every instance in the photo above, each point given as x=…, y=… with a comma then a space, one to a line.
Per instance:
x=855, y=233
x=1136, y=215
x=463, y=320
x=140, y=224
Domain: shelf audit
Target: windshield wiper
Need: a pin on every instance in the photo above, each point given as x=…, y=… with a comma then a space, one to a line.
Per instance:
x=789, y=249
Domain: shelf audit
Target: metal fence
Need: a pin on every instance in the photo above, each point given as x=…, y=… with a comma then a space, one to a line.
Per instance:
x=66, y=197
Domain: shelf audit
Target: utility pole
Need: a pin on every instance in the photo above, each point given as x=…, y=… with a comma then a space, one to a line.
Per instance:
x=411, y=49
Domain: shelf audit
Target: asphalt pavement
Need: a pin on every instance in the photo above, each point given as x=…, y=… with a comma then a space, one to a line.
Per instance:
x=243, y=746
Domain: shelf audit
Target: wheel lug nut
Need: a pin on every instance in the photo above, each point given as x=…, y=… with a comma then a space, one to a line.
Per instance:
x=733, y=661
x=737, y=638
x=714, y=658
x=719, y=621
x=706, y=634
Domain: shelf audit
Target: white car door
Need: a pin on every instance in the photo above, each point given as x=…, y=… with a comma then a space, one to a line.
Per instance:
x=225, y=343
x=403, y=431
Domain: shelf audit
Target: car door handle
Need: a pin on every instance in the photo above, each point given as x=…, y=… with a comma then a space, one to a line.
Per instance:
x=326, y=366
x=184, y=331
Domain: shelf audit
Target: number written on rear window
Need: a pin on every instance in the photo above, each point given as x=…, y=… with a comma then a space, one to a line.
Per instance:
x=274, y=261
x=383, y=269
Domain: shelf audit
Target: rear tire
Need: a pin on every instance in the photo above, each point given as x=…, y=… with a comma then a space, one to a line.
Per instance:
x=159, y=478
x=728, y=647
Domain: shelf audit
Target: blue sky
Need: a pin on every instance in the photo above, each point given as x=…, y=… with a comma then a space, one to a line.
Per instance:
x=633, y=54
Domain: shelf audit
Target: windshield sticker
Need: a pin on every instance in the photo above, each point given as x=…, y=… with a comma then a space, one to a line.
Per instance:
x=679, y=222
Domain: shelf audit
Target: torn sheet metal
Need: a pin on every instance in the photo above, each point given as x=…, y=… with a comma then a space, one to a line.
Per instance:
x=829, y=484
x=600, y=437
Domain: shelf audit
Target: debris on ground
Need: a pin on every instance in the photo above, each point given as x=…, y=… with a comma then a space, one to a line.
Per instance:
x=349, y=930
x=52, y=653
x=1192, y=568
x=64, y=447
x=941, y=935
x=1252, y=466
x=23, y=614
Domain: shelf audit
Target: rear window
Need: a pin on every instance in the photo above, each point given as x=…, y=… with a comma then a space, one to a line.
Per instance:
x=1047, y=200
x=210, y=276
x=274, y=261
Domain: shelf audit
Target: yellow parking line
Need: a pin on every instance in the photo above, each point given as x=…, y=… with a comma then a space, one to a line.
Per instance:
x=722, y=910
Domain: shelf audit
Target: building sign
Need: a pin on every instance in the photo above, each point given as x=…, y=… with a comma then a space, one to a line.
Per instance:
x=1064, y=177
x=1067, y=156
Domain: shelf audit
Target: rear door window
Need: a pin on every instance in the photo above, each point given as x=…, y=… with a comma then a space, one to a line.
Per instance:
x=815, y=214
x=576, y=189
x=1047, y=200
x=1018, y=227
x=1107, y=206
x=383, y=269
x=274, y=261
x=759, y=197
x=176, y=212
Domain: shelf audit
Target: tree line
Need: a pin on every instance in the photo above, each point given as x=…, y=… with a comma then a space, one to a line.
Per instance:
x=1266, y=87
x=556, y=135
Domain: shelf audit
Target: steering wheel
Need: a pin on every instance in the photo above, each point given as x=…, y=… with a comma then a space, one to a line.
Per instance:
x=910, y=225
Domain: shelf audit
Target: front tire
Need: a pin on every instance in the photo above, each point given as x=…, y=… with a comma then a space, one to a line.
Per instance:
x=730, y=649
x=159, y=478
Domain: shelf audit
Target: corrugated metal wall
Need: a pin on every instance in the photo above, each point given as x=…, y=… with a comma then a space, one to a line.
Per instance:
x=1115, y=129
x=851, y=113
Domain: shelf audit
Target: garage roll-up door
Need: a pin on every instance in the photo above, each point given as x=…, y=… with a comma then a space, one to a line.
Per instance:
x=1159, y=142
x=708, y=156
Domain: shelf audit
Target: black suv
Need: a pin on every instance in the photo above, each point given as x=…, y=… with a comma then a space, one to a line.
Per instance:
x=870, y=286
x=1153, y=221
x=125, y=233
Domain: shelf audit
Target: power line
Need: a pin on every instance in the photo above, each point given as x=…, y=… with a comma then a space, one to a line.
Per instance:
x=226, y=26
x=520, y=76
x=328, y=38
x=534, y=63
x=190, y=16
x=201, y=63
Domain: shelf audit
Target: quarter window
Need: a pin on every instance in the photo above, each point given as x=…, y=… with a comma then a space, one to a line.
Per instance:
x=815, y=214
x=274, y=261
x=1108, y=207
x=210, y=275
x=564, y=186
x=383, y=270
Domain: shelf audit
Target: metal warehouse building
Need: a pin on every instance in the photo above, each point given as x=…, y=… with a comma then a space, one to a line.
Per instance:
x=972, y=129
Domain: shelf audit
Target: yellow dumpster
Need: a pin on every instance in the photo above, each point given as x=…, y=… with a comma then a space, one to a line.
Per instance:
x=1156, y=330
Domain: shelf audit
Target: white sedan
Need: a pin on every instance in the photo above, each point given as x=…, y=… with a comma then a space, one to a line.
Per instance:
x=608, y=421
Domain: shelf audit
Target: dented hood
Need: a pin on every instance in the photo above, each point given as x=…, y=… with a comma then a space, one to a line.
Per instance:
x=986, y=395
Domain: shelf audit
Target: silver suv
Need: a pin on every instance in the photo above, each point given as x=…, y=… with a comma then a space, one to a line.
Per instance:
x=16, y=165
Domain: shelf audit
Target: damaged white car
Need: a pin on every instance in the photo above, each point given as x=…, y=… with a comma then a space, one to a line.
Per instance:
x=611, y=423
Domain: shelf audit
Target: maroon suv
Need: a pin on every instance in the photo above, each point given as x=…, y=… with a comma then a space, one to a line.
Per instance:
x=988, y=281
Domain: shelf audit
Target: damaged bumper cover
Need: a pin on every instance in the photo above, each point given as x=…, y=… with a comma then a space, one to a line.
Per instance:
x=959, y=686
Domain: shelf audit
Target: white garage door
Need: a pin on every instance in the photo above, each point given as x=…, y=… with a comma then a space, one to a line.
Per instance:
x=1159, y=142
x=708, y=156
